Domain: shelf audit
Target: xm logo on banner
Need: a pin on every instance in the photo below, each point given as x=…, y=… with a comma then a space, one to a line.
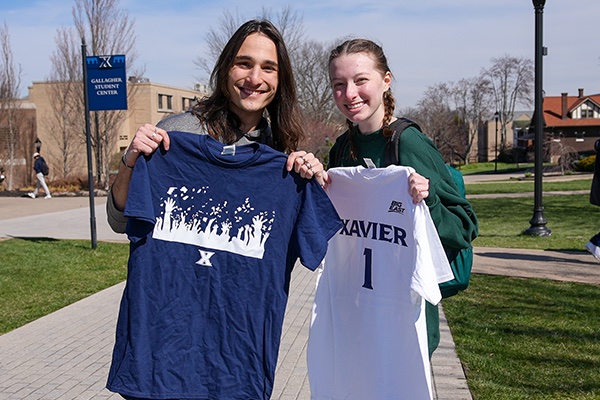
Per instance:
x=107, y=82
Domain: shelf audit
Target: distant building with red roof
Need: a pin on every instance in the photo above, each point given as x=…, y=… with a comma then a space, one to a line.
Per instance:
x=571, y=126
x=573, y=121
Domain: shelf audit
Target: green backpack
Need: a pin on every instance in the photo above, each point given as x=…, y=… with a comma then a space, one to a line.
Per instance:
x=461, y=262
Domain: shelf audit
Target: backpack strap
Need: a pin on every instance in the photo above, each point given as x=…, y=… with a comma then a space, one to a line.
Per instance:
x=391, y=147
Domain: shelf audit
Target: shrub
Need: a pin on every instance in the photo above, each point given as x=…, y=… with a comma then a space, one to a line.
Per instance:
x=586, y=164
x=70, y=184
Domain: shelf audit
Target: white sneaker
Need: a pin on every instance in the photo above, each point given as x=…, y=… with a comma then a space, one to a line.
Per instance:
x=31, y=195
x=48, y=196
x=595, y=250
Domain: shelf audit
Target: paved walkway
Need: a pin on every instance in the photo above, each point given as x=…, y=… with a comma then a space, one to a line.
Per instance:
x=66, y=355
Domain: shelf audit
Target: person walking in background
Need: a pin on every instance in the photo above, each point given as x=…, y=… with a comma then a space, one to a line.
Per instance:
x=593, y=245
x=41, y=170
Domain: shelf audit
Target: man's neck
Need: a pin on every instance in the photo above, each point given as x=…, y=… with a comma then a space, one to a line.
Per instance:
x=248, y=121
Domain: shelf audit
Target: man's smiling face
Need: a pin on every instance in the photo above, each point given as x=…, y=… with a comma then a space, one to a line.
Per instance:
x=253, y=78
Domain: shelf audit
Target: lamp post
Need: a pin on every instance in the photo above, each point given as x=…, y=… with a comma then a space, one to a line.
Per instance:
x=538, y=222
x=496, y=144
x=89, y=145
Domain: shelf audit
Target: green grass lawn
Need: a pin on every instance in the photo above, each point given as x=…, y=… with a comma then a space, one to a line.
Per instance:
x=527, y=338
x=527, y=186
x=38, y=276
x=530, y=338
x=571, y=218
x=489, y=167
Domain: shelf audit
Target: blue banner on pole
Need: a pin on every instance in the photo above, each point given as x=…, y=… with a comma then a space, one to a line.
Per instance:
x=106, y=82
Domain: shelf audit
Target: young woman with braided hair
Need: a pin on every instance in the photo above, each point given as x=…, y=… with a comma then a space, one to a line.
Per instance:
x=361, y=80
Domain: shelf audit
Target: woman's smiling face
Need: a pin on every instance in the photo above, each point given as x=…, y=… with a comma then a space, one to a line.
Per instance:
x=358, y=89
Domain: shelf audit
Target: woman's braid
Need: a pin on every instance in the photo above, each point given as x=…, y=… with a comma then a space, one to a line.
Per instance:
x=389, y=104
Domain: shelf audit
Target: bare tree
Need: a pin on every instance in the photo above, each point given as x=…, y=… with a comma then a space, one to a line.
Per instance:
x=511, y=81
x=216, y=38
x=288, y=21
x=322, y=118
x=437, y=119
x=567, y=155
x=108, y=30
x=10, y=81
x=472, y=101
x=319, y=139
x=411, y=113
x=67, y=117
x=291, y=25
x=312, y=79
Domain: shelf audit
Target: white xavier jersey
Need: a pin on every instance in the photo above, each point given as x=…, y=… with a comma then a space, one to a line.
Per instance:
x=368, y=338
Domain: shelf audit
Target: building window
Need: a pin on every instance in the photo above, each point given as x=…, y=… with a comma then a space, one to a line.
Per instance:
x=165, y=102
x=579, y=136
x=186, y=103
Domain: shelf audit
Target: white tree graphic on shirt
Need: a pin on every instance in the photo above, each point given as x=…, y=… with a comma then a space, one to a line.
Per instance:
x=191, y=216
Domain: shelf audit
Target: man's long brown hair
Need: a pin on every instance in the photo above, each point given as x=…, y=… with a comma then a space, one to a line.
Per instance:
x=283, y=112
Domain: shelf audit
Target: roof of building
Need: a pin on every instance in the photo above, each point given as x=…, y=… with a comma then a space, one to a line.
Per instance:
x=553, y=110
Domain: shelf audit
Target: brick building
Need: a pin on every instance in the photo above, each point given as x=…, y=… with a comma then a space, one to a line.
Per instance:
x=573, y=121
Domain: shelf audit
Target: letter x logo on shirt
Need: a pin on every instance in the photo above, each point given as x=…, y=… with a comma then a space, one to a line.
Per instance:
x=205, y=258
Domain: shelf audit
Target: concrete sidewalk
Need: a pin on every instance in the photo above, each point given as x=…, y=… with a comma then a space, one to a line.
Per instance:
x=66, y=355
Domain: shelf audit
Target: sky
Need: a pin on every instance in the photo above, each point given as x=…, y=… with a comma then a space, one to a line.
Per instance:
x=427, y=42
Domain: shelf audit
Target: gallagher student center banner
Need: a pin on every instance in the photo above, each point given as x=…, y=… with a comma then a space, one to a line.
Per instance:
x=106, y=82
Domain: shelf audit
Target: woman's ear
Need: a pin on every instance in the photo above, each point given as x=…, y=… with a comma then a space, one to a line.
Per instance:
x=387, y=80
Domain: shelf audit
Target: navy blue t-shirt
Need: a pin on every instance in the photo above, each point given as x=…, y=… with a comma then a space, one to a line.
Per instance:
x=214, y=238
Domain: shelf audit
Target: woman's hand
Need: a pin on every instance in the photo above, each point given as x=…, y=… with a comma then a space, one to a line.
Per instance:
x=418, y=187
x=146, y=140
x=308, y=166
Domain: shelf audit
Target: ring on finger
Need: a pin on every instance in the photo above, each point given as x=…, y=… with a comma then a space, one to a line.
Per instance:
x=308, y=165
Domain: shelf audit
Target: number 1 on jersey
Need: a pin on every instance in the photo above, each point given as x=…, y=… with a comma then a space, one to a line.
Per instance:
x=368, y=253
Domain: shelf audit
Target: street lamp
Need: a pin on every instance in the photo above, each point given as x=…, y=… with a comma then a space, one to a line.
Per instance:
x=538, y=222
x=496, y=143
